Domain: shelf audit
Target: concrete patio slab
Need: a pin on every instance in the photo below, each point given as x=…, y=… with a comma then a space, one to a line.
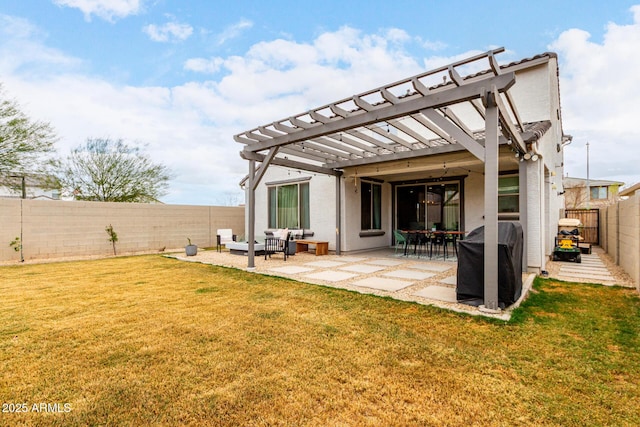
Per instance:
x=440, y=293
x=592, y=262
x=385, y=262
x=361, y=268
x=351, y=259
x=409, y=274
x=585, y=269
x=291, y=269
x=331, y=276
x=431, y=267
x=451, y=280
x=575, y=277
x=382, y=284
x=324, y=264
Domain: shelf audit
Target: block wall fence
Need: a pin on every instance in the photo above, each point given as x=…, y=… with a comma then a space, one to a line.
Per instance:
x=60, y=229
x=620, y=235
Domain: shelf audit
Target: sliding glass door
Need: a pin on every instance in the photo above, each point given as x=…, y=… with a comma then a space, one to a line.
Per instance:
x=428, y=206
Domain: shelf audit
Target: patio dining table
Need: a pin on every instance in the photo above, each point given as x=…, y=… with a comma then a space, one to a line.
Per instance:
x=428, y=235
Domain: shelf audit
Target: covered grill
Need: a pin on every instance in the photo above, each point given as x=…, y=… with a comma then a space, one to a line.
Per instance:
x=470, y=277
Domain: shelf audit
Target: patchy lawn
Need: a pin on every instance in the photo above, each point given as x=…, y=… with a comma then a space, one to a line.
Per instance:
x=148, y=340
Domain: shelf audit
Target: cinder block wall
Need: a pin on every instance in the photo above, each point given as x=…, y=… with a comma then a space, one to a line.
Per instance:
x=629, y=237
x=54, y=229
x=620, y=235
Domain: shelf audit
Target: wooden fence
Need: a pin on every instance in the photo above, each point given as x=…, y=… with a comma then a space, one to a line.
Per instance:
x=590, y=219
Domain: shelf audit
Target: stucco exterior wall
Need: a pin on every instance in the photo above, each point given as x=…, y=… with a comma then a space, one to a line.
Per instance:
x=322, y=202
x=473, y=202
x=55, y=229
x=352, y=240
x=534, y=84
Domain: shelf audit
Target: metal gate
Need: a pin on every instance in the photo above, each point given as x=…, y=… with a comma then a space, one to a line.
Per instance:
x=590, y=219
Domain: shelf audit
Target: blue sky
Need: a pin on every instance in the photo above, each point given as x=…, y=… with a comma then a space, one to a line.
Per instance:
x=183, y=76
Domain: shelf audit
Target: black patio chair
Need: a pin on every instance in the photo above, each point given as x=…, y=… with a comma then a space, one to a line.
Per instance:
x=273, y=245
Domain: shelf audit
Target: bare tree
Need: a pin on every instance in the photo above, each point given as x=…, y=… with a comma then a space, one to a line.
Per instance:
x=575, y=197
x=108, y=170
x=25, y=144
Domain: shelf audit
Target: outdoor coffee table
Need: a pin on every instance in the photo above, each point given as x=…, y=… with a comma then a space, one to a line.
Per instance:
x=322, y=248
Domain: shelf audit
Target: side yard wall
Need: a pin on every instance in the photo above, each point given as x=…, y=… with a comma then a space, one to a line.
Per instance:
x=54, y=229
x=620, y=235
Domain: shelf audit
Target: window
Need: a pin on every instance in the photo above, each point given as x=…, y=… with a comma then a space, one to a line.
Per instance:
x=289, y=206
x=599, y=193
x=371, y=205
x=508, y=194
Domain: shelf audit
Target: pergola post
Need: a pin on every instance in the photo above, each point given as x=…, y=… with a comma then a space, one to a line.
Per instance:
x=252, y=215
x=338, y=216
x=491, y=203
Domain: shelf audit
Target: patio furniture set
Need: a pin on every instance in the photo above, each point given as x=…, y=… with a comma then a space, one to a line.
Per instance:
x=428, y=242
x=279, y=241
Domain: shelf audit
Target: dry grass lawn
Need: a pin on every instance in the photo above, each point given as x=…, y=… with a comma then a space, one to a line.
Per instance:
x=153, y=341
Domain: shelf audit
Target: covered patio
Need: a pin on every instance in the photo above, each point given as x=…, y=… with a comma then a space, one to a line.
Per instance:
x=437, y=120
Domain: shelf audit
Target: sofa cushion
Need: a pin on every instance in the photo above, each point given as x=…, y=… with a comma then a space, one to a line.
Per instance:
x=226, y=235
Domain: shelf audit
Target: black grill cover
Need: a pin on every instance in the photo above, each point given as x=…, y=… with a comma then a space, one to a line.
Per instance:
x=470, y=279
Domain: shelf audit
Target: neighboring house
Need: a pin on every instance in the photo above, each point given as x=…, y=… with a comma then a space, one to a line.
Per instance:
x=630, y=191
x=34, y=187
x=413, y=154
x=599, y=193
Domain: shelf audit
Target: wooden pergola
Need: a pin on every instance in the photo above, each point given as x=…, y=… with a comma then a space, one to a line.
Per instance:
x=403, y=120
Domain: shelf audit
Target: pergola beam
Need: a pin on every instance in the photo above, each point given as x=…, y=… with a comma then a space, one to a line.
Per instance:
x=509, y=126
x=265, y=164
x=308, y=153
x=400, y=155
x=385, y=112
x=391, y=136
x=248, y=155
x=458, y=134
x=411, y=132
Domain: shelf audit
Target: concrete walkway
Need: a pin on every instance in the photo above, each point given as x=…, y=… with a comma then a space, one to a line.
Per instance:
x=591, y=270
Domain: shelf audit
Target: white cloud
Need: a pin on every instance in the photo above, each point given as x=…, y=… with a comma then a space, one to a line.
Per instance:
x=105, y=9
x=433, y=45
x=233, y=31
x=171, y=31
x=599, y=95
x=202, y=65
x=23, y=45
x=190, y=126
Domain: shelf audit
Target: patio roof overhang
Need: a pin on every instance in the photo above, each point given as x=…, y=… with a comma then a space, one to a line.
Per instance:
x=406, y=119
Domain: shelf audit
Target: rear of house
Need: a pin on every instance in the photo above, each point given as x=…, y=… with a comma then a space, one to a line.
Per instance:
x=418, y=171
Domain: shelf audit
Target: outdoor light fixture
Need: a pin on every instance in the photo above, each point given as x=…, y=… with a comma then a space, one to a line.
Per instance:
x=534, y=157
x=527, y=156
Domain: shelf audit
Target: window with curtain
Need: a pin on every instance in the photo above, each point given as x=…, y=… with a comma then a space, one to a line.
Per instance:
x=289, y=206
x=508, y=194
x=371, y=206
x=599, y=193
